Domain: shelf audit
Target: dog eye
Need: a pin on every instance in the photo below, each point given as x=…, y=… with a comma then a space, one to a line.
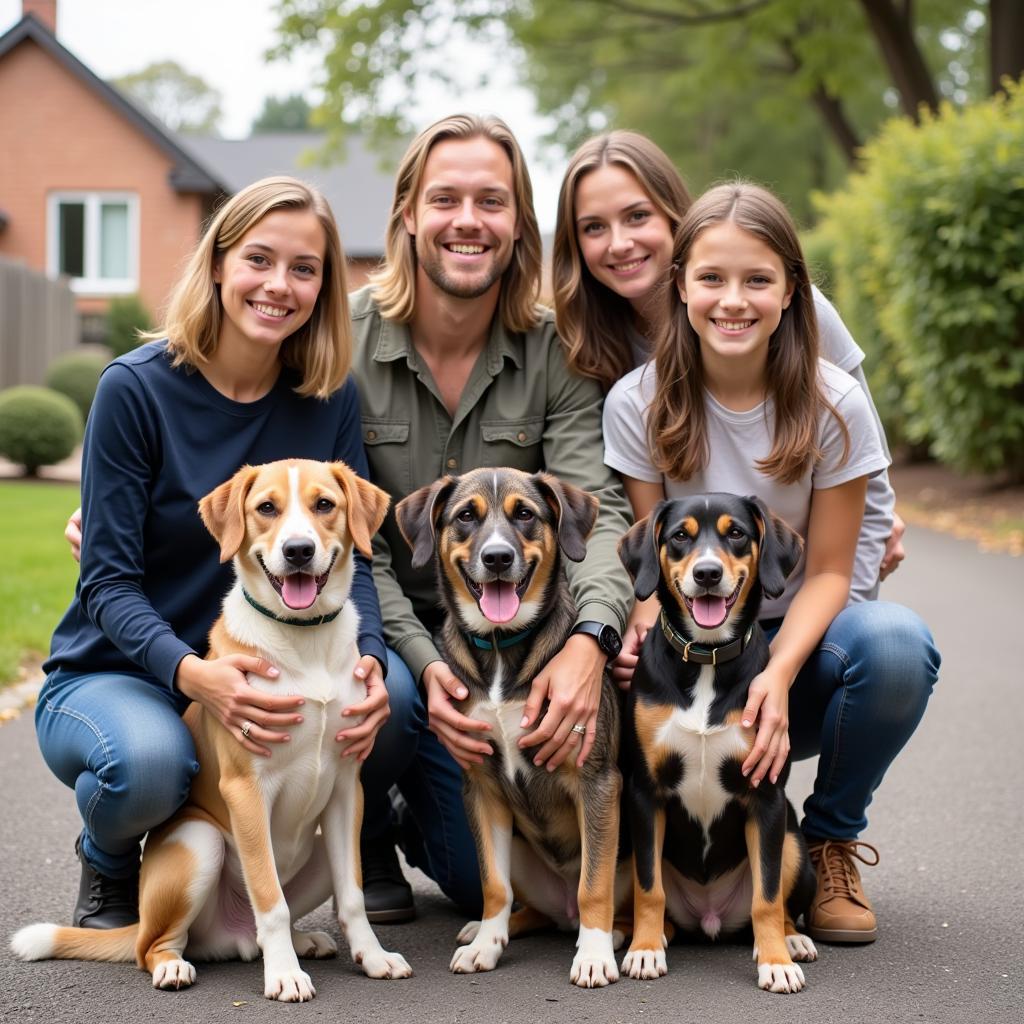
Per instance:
x=524, y=514
x=735, y=533
x=467, y=515
x=266, y=508
x=681, y=535
x=324, y=505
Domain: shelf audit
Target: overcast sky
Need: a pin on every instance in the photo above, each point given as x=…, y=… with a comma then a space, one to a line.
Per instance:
x=223, y=41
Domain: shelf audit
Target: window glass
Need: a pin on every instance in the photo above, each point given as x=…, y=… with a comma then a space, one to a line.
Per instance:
x=114, y=240
x=72, y=239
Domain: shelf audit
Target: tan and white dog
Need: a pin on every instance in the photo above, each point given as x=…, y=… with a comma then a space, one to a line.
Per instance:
x=227, y=875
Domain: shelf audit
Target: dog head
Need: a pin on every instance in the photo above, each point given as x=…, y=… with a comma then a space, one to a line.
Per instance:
x=710, y=557
x=291, y=526
x=496, y=536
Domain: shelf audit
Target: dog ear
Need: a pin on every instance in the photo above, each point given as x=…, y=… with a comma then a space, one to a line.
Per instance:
x=781, y=548
x=417, y=518
x=367, y=506
x=575, y=511
x=223, y=511
x=638, y=551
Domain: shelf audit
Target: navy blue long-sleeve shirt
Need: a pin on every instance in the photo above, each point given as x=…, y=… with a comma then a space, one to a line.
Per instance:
x=158, y=440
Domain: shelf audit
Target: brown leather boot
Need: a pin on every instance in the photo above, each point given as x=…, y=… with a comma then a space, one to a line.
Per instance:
x=840, y=912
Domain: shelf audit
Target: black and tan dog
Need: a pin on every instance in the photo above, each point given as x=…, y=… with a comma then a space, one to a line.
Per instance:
x=718, y=853
x=497, y=537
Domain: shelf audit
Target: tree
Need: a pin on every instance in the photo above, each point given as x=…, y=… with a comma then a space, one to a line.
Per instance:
x=283, y=114
x=180, y=100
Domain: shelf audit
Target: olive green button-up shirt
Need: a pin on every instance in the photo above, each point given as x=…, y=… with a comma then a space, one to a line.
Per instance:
x=522, y=407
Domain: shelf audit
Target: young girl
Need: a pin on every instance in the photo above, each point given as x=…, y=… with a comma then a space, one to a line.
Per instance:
x=737, y=399
x=252, y=367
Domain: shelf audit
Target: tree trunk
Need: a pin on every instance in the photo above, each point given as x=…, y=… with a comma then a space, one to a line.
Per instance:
x=894, y=34
x=1005, y=40
x=843, y=133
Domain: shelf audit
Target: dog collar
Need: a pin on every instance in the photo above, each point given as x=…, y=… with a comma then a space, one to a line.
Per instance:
x=288, y=620
x=700, y=653
x=509, y=641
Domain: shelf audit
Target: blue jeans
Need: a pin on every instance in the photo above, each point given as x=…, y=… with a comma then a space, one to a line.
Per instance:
x=437, y=839
x=856, y=702
x=119, y=742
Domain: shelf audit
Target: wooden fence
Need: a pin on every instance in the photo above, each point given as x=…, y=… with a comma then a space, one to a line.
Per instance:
x=38, y=322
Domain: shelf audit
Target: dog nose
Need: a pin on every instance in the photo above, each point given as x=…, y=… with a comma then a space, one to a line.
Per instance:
x=497, y=557
x=298, y=551
x=707, y=573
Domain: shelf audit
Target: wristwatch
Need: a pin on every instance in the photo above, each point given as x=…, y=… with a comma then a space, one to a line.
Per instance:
x=607, y=637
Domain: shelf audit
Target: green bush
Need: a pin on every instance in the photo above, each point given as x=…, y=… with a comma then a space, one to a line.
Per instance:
x=38, y=427
x=927, y=247
x=126, y=316
x=77, y=375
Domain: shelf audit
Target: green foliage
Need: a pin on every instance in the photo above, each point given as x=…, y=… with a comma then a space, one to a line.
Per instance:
x=283, y=114
x=929, y=262
x=38, y=427
x=182, y=101
x=39, y=574
x=126, y=316
x=77, y=375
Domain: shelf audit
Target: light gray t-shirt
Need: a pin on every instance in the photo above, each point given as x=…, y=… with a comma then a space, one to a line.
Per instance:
x=737, y=440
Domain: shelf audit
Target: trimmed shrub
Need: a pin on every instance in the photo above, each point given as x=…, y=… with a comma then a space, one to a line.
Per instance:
x=38, y=427
x=126, y=316
x=77, y=375
x=927, y=247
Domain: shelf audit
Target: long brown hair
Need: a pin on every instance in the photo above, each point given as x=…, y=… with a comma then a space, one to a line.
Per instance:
x=394, y=285
x=677, y=423
x=593, y=322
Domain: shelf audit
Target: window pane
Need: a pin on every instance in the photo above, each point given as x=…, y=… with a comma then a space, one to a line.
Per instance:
x=114, y=240
x=72, y=239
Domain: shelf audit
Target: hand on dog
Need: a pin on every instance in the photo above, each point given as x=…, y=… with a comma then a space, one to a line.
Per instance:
x=571, y=684
x=374, y=709
x=894, y=550
x=73, y=534
x=221, y=687
x=625, y=664
x=450, y=726
x=768, y=708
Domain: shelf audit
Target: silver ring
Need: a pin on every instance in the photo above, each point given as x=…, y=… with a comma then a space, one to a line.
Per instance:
x=246, y=726
x=581, y=729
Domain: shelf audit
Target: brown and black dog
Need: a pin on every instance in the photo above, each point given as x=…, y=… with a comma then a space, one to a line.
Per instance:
x=497, y=537
x=718, y=853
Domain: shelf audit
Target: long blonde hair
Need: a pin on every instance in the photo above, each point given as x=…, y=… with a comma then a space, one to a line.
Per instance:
x=394, y=285
x=593, y=322
x=320, y=350
x=677, y=423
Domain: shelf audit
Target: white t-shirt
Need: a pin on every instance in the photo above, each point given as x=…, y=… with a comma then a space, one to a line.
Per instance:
x=736, y=440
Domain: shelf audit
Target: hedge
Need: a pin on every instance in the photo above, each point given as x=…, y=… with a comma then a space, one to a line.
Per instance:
x=77, y=375
x=38, y=427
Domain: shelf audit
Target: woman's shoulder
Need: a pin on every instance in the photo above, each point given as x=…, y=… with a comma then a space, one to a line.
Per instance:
x=837, y=383
x=637, y=386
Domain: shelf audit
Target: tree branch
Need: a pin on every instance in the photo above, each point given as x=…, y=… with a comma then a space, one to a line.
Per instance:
x=677, y=18
x=902, y=56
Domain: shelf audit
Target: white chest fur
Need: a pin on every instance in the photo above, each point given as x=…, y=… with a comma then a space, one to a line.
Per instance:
x=504, y=719
x=703, y=748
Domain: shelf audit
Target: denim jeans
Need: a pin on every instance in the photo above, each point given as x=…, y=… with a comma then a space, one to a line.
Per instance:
x=119, y=742
x=437, y=839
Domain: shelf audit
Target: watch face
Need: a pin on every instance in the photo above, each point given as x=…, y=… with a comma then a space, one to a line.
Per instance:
x=610, y=641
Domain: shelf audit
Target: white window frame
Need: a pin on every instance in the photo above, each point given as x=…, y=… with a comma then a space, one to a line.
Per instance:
x=91, y=283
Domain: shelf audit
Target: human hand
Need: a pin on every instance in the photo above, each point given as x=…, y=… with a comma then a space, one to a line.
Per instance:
x=220, y=685
x=767, y=707
x=450, y=726
x=625, y=664
x=571, y=684
x=894, y=550
x=73, y=534
x=371, y=712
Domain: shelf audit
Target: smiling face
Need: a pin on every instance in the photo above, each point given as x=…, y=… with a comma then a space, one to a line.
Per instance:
x=735, y=289
x=464, y=218
x=270, y=279
x=625, y=240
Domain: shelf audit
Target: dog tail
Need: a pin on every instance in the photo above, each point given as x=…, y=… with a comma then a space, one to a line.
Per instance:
x=53, y=942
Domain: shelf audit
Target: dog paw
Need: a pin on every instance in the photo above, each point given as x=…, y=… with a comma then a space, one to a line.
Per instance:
x=644, y=964
x=780, y=977
x=477, y=956
x=589, y=971
x=314, y=945
x=468, y=933
x=383, y=965
x=174, y=974
x=801, y=948
x=289, y=987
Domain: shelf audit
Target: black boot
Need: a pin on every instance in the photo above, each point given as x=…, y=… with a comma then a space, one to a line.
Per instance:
x=104, y=902
x=388, y=896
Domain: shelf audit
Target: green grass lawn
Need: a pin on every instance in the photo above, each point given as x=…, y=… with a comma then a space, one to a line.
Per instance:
x=38, y=575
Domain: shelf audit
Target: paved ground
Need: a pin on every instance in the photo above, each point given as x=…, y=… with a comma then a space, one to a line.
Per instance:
x=949, y=891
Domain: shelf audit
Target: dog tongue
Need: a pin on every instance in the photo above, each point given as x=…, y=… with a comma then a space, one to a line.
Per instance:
x=499, y=601
x=298, y=590
x=709, y=611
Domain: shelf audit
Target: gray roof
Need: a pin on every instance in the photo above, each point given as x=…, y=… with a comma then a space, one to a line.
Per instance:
x=359, y=187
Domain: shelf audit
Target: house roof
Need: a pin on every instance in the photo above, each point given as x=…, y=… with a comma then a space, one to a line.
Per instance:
x=188, y=173
x=359, y=189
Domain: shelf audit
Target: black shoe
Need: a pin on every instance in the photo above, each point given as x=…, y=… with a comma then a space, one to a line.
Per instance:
x=104, y=902
x=388, y=896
